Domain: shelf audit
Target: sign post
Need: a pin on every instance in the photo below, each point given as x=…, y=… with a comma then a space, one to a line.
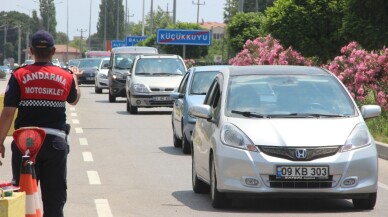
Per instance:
x=184, y=37
x=133, y=40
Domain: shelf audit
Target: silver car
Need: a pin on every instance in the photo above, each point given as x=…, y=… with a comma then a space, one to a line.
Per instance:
x=191, y=91
x=152, y=78
x=283, y=131
x=102, y=76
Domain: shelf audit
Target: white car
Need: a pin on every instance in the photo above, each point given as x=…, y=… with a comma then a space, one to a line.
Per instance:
x=283, y=131
x=101, y=81
x=152, y=78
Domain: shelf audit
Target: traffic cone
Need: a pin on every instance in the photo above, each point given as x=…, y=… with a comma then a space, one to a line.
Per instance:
x=36, y=194
x=26, y=185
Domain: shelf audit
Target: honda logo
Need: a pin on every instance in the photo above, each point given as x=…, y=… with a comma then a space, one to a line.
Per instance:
x=301, y=153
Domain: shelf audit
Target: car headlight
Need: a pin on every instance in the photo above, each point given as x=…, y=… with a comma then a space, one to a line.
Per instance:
x=141, y=88
x=358, y=138
x=118, y=75
x=233, y=136
x=103, y=76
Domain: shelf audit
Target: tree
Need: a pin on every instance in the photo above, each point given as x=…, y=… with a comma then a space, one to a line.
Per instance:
x=242, y=27
x=366, y=22
x=61, y=38
x=230, y=9
x=113, y=14
x=311, y=27
x=47, y=11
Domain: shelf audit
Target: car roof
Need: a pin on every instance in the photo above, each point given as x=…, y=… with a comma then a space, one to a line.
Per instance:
x=276, y=69
x=134, y=49
x=209, y=68
x=158, y=56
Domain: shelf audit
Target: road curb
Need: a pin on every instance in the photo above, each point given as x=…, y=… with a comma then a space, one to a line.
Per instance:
x=382, y=150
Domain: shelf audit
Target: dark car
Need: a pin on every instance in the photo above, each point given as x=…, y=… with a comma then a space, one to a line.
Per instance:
x=89, y=66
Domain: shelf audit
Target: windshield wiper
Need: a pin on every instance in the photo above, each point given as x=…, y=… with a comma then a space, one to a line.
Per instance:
x=316, y=115
x=203, y=93
x=249, y=114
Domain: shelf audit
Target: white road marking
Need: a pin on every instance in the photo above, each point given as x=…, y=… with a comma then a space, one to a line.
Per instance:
x=87, y=156
x=384, y=186
x=73, y=114
x=93, y=177
x=75, y=121
x=72, y=108
x=103, y=209
x=83, y=141
x=78, y=130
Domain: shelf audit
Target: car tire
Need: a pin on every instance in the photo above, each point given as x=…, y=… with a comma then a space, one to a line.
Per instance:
x=186, y=146
x=366, y=204
x=132, y=109
x=177, y=142
x=97, y=90
x=199, y=186
x=219, y=199
x=111, y=97
x=128, y=106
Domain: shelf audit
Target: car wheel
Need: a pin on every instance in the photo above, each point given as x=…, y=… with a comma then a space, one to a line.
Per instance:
x=219, y=200
x=128, y=105
x=132, y=109
x=366, y=204
x=97, y=90
x=111, y=97
x=186, y=147
x=176, y=140
x=199, y=186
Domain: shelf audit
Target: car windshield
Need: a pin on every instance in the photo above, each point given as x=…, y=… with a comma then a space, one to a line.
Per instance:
x=201, y=82
x=287, y=96
x=124, y=61
x=89, y=63
x=159, y=67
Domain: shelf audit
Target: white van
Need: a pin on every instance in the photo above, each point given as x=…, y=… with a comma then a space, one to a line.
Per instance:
x=120, y=63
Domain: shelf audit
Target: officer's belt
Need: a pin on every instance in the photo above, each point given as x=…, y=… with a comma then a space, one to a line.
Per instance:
x=55, y=132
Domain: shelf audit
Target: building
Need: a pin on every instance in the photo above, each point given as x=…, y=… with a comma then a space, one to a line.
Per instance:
x=60, y=53
x=218, y=29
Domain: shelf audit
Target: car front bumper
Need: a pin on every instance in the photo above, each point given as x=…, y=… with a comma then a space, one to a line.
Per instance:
x=251, y=173
x=152, y=100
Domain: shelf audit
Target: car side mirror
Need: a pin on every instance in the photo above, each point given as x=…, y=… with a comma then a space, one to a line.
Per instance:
x=176, y=95
x=201, y=111
x=370, y=111
x=109, y=67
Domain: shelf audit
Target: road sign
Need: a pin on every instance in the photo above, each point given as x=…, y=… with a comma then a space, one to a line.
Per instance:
x=183, y=37
x=133, y=40
x=117, y=43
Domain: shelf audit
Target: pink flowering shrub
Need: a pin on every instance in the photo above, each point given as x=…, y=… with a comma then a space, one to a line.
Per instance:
x=362, y=71
x=267, y=51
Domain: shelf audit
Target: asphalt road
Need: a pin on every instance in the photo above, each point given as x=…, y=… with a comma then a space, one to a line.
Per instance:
x=125, y=165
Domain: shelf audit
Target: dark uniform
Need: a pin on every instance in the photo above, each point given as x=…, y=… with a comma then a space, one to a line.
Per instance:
x=40, y=92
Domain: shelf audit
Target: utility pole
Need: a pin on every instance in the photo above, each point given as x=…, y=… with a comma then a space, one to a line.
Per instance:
x=142, y=21
x=90, y=23
x=128, y=32
x=105, y=2
x=241, y=5
x=174, y=13
x=118, y=21
x=80, y=49
x=198, y=4
x=152, y=16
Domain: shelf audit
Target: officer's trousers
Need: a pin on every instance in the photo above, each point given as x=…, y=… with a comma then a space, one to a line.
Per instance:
x=51, y=172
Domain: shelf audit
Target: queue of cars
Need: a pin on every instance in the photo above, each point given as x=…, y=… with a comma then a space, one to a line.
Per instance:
x=257, y=131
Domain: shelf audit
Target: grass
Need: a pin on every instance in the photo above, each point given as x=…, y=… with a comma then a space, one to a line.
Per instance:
x=378, y=127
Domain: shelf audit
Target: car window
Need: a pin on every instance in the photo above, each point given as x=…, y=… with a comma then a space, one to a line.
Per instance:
x=89, y=63
x=159, y=66
x=201, y=82
x=183, y=85
x=280, y=94
x=124, y=60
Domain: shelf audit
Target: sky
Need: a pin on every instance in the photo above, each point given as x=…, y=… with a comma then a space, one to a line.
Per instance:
x=80, y=16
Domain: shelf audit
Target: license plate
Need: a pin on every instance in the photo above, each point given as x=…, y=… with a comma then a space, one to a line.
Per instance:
x=302, y=172
x=161, y=98
x=89, y=78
